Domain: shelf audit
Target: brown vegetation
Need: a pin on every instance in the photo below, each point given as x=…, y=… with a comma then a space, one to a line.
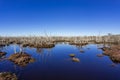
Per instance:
x=21, y=59
x=7, y=76
x=113, y=52
x=49, y=42
x=2, y=54
x=74, y=59
x=72, y=55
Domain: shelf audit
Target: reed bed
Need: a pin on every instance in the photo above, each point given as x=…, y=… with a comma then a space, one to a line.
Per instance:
x=49, y=42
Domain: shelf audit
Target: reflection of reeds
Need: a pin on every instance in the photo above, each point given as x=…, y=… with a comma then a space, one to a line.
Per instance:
x=43, y=54
x=48, y=54
x=100, y=55
x=15, y=49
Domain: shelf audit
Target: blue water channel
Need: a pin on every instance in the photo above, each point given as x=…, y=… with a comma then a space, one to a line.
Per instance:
x=56, y=64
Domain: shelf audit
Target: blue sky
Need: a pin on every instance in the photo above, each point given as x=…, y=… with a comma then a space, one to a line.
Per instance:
x=59, y=17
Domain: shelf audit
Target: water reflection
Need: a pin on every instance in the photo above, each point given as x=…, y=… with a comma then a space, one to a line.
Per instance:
x=51, y=62
x=39, y=50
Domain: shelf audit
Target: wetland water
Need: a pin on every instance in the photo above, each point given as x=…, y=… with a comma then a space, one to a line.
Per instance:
x=56, y=64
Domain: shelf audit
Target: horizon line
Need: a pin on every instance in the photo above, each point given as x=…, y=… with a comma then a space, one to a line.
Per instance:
x=56, y=35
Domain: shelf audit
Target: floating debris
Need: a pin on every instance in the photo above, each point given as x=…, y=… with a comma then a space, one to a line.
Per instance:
x=75, y=59
x=72, y=55
x=21, y=59
x=7, y=76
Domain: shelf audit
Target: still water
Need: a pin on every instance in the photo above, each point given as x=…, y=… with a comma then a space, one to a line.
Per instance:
x=56, y=64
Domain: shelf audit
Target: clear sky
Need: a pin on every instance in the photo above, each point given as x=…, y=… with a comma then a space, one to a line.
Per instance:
x=59, y=17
